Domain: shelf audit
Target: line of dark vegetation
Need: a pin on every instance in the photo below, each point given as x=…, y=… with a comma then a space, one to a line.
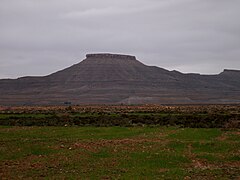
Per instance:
x=182, y=117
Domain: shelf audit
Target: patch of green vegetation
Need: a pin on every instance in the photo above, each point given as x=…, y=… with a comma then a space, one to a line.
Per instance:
x=116, y=153
x=101, y=154
x=179, y=147
x=211, y=157
x=23, y=149
x=174, y=173
x=189, y=134
x=71, y=133
x=163, y=164
x=212, y=147
x=160, y=160
x=234, y=158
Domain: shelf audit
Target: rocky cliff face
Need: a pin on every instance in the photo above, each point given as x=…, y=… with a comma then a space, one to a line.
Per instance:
x=114, y=78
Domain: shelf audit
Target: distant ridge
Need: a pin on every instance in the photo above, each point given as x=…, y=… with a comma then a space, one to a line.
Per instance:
x=106, y=78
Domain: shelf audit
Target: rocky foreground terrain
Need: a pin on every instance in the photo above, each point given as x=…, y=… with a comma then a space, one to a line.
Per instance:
x=120, y=79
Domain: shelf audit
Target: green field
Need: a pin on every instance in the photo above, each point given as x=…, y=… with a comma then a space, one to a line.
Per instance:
x=119, y=153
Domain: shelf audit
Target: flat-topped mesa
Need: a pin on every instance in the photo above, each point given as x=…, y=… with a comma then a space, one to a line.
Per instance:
x=111, y=56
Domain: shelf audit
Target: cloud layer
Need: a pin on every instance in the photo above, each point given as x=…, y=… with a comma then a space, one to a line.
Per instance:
x=38, y=37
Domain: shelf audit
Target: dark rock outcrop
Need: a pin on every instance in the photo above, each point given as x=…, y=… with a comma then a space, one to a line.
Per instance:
x=113, y=78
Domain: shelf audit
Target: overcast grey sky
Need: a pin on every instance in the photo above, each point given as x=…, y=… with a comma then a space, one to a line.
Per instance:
x=38, y=37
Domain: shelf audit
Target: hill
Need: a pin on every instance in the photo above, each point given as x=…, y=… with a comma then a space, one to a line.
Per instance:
x=116, y=79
